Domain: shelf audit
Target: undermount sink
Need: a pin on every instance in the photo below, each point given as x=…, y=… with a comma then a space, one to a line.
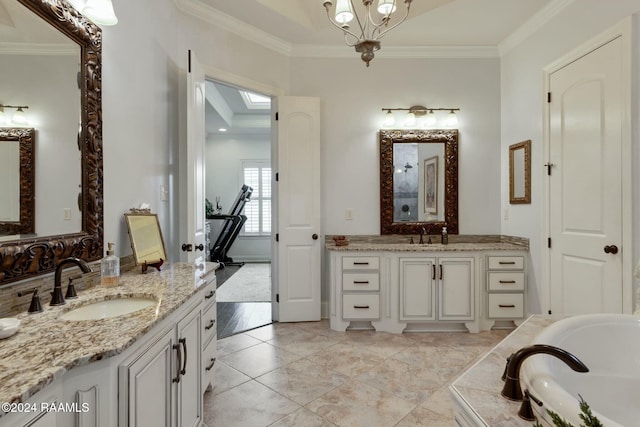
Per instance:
x=108, y=308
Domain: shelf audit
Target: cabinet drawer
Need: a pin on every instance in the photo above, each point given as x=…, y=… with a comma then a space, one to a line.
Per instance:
x=511, y=281
x=361, y=306
x=209, y=292
x=361, y=263
x=209, y=325
x=360, y=281
x=506, y=263
x=506, y=306
x=208, y=365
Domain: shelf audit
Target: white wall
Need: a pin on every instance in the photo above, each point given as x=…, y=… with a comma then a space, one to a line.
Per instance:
x=352, y=97
x=223, y=154
x=522, y=98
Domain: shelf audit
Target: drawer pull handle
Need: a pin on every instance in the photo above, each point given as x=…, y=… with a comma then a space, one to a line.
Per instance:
x=210, y=295
x=506, y=305
x=213, y=362
x=183, y=341
x=507, y=281
x=507, y=262
x=360, y=282
x=433, y=272
x=360, y=263
x=177, y=348
x=365, y=307
x=210, y=325
x=440, y=271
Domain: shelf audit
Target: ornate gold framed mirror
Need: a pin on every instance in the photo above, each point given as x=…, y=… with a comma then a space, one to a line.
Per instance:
x=520, y=173
x=22, y=258
x=17, y=174
x=418, y=181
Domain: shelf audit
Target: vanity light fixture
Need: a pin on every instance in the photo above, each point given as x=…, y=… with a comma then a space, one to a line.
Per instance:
x=371, y=28
x=100, y=12
x=430, y=119
x=19, y=117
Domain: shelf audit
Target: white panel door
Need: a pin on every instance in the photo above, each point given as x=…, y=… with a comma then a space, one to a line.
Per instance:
x=585, y=185
x=300, y=241
x=192, y=169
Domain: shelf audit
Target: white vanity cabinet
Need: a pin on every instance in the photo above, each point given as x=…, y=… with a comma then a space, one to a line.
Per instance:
x=160, y=384
x=506, y=276
x=437, y=288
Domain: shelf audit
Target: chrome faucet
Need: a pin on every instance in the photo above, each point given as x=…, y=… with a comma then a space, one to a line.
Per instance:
x=511, y=389
x=56, y=296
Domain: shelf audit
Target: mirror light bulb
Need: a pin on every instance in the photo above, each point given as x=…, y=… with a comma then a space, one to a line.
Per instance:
x=19, y=117
x=430, y=119
x=452, y=119
x=410, y=120
x=389, y=119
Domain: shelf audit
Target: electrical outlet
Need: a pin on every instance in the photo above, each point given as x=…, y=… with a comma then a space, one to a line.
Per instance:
x=164, y=193
x=66, y=214
x=505, y=213
x=348, y=215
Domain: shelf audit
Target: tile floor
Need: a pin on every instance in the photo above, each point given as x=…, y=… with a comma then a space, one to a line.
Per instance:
x=306, y=375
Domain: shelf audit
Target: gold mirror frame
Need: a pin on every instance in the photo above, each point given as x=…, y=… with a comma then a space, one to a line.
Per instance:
x=448, y=137
x=26, y=141
x=526, y=199
x=150, y=231
x=25, y=258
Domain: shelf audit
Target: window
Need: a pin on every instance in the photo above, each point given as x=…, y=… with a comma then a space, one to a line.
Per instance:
x=257, y=175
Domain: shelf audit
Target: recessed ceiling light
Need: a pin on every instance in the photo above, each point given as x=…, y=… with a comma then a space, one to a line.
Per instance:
x=222, y=130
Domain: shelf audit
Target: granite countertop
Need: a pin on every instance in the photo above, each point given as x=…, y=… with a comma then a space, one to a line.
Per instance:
x=46, y=347
x=401, y=243
x=481, y=384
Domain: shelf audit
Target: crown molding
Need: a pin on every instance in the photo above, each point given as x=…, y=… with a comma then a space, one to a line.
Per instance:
x=213, y=16
x=536, y=22
x=49, y=49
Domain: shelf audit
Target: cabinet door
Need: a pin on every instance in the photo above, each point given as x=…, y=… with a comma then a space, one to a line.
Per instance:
x=417, y=289
x=457, y=285
x=189, y=390
x=147, y=384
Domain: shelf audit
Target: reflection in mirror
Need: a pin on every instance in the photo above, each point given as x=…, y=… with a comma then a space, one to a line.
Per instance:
x=418, y=181
x=17, y=170
x=520, y=173
x=63, y=40
x=146, y=238
x=417, y=186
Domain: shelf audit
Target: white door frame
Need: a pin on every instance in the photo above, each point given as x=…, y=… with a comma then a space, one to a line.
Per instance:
x=214, y=73
x=623, y=30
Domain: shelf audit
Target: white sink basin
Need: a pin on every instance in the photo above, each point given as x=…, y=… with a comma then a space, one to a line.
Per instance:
x=108, y=308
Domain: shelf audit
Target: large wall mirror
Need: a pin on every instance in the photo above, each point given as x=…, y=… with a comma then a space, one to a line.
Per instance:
x=51, y=61
x=418, y=181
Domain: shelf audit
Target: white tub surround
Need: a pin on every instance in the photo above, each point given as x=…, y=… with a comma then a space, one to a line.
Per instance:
x=390, y=284
x=609, y=345
x=476, y=393
x=91, y=365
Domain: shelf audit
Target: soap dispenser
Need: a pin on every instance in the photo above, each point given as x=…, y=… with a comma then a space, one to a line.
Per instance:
x=110, y=268
x=445, y=236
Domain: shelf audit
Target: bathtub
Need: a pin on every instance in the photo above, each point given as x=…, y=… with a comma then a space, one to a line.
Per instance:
x=609, y=345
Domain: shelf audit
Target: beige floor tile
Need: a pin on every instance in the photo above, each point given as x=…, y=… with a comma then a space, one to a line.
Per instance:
x=235, y=343
x=302, y=418
x=248, y=405
x=382, y=344
x=440, y=402
x=303, y=343
x=226, y=378
x=259, y=359
x=355, y=405
x=421, y=417
x=264, y=333
x=302, y=381
x=347, y=358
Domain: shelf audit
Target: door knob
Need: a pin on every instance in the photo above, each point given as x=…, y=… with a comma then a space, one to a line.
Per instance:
x=611, y=249
x=314, y=236
x=187, y=247
x=200, y=247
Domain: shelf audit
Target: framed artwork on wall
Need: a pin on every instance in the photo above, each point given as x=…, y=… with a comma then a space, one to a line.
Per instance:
x=431, y=185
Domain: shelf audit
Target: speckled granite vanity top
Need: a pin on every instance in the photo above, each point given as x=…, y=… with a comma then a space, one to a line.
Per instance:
x=45, y=346
x=398, y=243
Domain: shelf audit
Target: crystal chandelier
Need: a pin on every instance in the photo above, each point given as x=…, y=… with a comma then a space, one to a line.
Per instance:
x=366, y=39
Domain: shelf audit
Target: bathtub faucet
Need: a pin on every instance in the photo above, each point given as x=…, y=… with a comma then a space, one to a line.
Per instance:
x=511, y=389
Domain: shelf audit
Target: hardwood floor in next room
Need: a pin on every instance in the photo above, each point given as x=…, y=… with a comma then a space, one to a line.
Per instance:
x=237, y=317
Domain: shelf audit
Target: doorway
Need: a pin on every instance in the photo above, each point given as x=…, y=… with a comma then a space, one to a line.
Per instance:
x=239, y=204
